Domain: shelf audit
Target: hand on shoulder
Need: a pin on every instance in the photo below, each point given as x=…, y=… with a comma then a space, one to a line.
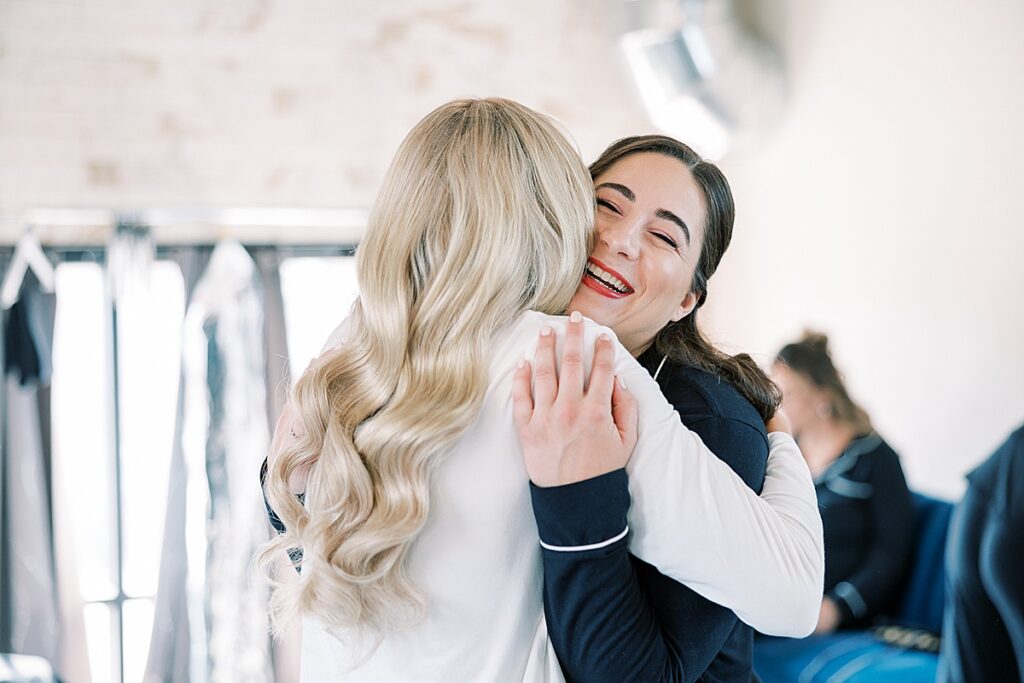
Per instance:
x=568, y=434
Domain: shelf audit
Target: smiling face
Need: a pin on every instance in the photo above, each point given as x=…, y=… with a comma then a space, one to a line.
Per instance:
x=649, y=228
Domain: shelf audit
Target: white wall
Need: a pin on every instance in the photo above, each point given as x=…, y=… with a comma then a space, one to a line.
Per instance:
x=888, y=211
x=885, y=210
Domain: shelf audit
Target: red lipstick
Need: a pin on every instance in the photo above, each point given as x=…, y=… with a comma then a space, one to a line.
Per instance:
x=603, y=289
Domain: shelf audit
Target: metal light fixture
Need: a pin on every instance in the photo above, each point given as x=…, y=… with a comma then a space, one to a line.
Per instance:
x=703, y=78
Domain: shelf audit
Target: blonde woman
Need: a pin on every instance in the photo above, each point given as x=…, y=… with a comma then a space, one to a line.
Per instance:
x=420, y=555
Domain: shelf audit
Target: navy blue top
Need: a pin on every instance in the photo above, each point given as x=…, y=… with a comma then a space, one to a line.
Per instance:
x=613, y=617
x=868, y=517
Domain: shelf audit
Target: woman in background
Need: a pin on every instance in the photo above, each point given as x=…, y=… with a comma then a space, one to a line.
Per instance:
x=866, y=508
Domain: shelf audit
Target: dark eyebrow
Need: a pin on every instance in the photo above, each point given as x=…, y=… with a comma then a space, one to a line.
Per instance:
x=660, y=213
x=669, y=216
x=621, y=189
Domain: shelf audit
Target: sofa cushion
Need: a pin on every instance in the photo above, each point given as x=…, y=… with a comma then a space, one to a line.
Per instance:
x=845, y=657
x=860, y=656
x=923, y=598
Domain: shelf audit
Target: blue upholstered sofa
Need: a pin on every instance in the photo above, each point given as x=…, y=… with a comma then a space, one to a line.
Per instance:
x=860, y=656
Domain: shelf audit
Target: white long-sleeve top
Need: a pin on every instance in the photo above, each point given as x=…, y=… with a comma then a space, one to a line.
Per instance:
x=478, y=557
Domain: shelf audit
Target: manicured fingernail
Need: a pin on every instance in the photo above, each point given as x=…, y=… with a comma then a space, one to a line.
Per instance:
x=621, y=382
x=545, y=331
x=604, y=337
x=522, y=364
x=576, y=317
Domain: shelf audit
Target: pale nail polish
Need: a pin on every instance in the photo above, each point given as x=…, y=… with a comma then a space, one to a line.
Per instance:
x=576, y=317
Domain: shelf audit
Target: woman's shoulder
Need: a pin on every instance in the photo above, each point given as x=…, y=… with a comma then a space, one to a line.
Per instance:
x=1001, y=475
x=699, y=393
x=871, y=447
x=522, y=333
x=535, y=320
x=869, y=456
x=1005, y=464
x=517, y=341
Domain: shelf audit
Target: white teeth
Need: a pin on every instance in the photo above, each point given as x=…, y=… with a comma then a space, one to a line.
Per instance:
x=607, y=278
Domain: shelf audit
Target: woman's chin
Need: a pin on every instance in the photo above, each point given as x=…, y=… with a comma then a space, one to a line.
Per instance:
x=582, y=301
x=593, y=306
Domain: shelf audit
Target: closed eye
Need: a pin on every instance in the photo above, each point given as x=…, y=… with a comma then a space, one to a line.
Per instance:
x=608, y=205
x=666, y=239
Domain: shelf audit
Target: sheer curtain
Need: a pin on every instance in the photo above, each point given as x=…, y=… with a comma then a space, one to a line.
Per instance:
x=170, y=643
x=211, y=616
x=285, y=650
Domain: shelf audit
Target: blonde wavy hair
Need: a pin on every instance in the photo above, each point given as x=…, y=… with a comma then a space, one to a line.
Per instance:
x=485, y=212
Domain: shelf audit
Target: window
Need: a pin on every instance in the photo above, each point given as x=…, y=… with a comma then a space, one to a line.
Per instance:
x=118, y=564
x=83, y=462
x=317, y=293
x=117, y=527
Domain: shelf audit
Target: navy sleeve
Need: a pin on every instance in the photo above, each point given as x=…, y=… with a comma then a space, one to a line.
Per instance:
x=891, y=512
x=275, y=521
x=599, y=620
x=294, y=554
x=612, y=617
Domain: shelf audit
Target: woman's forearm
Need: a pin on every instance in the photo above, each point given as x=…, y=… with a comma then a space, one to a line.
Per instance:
x=692, y=517
x=599, y=618
x=695, y=520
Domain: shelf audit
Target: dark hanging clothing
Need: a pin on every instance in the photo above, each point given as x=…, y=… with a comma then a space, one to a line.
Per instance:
x=28, y=334
x=30, y=620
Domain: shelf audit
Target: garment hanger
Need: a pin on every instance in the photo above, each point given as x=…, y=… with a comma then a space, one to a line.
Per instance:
x=28, y=253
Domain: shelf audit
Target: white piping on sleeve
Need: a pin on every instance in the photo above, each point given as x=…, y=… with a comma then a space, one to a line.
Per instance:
x=581, y=548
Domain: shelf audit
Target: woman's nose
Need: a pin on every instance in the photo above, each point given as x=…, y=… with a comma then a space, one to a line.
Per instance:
x=622, y=239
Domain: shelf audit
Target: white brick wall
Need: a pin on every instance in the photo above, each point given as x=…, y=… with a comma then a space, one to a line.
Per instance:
x=263, y=102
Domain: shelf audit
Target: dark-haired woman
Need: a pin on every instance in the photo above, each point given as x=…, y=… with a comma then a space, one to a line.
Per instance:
x=469, y=546
x=664, y=220
x=866, y=508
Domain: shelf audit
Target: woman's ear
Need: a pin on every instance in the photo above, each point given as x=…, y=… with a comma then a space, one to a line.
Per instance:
x=686, y=307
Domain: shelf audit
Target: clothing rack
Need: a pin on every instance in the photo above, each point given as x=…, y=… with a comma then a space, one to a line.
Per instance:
x=292, y=228
x=70, y=235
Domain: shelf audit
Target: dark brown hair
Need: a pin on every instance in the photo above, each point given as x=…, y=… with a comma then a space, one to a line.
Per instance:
x=682, y=341
x=811, y=358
